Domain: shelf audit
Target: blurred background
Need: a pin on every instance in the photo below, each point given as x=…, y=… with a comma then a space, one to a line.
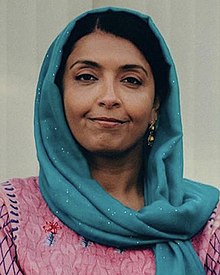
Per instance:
x=191, y=29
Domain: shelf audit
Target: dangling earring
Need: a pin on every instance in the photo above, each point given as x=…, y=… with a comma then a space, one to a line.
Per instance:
x=150, y=139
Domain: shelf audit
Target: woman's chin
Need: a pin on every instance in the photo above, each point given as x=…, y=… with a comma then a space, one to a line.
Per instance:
x=106, y=152
x=111, y=151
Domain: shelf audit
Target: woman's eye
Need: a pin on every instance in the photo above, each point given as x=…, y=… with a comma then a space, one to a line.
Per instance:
x=85, y=77
x=132, y=80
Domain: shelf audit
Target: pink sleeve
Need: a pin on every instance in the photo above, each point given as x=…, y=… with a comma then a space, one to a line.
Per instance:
x=212, y=263
x=8, y=257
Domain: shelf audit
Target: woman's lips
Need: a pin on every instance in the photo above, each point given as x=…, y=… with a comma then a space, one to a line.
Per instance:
x=108, y=122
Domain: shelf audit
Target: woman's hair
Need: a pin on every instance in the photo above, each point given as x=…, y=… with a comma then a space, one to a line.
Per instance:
x=127, y=26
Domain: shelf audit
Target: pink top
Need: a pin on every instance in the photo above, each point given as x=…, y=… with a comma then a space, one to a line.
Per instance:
x=34, y=241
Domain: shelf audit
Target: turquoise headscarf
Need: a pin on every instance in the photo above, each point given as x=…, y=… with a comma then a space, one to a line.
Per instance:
x=176, y=208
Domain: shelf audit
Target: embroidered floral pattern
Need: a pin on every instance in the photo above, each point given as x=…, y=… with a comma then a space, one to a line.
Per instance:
x=51, y=228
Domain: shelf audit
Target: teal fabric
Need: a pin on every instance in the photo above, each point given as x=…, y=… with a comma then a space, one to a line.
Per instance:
x=176, y=209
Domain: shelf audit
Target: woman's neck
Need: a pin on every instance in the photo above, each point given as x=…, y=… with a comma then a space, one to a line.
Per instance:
x=121, y=176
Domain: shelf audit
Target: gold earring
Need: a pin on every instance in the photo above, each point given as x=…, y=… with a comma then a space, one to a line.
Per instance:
x=150, y=139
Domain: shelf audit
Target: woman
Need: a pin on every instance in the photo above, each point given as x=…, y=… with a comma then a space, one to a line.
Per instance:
x=111, y=196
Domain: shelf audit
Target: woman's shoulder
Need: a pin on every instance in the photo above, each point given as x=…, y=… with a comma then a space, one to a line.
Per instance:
x=8, y=189
x=29, y=181
x=16, y=190
x=12, y=193
x=212, y=263
x=22, y=193
x=207, y=243
x=21, y=198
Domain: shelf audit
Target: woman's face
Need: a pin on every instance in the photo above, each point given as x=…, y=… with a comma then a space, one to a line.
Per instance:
x=108, y=93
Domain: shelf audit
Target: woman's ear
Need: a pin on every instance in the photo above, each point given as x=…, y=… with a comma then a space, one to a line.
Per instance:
x=156, y=104
x=154, y=111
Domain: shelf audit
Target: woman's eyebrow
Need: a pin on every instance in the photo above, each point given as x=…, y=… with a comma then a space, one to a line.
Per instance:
x=86, y=62
x=94, y=64
x=134, y=66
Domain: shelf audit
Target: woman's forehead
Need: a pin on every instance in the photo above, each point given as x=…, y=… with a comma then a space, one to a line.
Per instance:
x=101, y=47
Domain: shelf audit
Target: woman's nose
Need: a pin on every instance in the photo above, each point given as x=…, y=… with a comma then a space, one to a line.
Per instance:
x=109, y=96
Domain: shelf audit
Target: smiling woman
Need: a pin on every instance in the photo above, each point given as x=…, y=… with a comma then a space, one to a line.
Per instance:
x=109, y=98
x=109, y=143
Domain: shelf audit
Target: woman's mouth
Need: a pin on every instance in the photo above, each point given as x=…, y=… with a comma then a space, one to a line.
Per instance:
x=108, y=122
